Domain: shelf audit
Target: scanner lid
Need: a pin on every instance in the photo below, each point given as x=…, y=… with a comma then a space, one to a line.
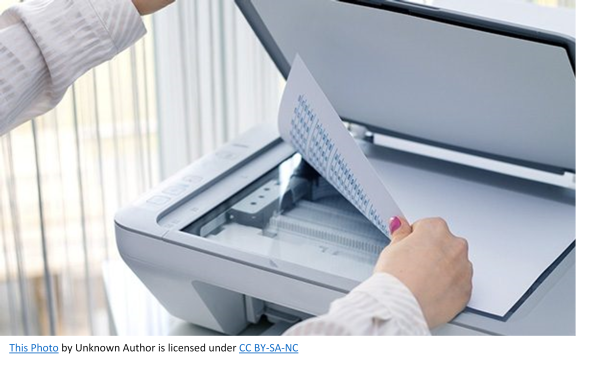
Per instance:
x=433, y=76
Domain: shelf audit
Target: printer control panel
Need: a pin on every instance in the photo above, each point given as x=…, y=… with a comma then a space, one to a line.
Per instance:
x=197, y=176
x=192, y=178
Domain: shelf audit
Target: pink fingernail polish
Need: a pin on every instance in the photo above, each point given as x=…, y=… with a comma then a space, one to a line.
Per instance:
x=395, y=224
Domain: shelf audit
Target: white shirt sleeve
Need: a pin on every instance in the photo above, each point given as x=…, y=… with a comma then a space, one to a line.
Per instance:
x=45, y=45
x=382, y=305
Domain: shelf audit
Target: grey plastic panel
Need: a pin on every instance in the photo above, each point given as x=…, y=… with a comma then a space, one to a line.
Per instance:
x=170, y=265
x=432, y=81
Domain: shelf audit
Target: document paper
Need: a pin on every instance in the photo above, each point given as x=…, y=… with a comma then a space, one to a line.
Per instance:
x=309, y=122
x=507, y=258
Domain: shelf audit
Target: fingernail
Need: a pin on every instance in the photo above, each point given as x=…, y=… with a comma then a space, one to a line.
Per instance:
x=395, y=223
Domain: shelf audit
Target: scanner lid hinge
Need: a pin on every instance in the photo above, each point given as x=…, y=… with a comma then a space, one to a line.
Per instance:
x=565, y=179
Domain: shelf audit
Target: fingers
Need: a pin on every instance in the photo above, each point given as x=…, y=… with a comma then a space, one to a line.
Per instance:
x=458, y=251
x=399, y=228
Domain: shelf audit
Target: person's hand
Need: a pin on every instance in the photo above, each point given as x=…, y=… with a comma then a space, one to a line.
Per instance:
x=145, y=7
x=432, y=263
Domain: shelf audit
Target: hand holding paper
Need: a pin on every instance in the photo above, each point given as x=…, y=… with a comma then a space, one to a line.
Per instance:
x=308, y=121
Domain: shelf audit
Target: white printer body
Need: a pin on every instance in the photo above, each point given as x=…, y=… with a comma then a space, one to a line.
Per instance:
x=461, y=117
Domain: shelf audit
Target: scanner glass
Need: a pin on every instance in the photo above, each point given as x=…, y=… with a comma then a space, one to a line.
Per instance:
x=295, y=215
x=310, y=232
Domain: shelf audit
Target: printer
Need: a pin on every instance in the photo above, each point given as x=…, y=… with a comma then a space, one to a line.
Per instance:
x=462, y=117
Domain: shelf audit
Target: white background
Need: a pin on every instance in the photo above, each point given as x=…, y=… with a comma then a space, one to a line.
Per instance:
x=363, y=353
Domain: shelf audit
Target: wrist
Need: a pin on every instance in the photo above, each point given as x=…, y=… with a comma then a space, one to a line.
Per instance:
x=146, y=7
x=138, y=6
x=400, y=301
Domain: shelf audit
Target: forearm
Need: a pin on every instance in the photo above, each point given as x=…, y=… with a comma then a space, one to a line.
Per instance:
x=46, y=45
x=382, y=305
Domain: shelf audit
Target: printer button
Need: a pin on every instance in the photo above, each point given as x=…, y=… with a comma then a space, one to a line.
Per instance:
x=158, y=200
x=175, y=190
x=226, y=155
x=191, y=179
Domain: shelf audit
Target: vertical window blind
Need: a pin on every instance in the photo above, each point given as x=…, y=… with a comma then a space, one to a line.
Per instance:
x=215, y=79
x=120, y=129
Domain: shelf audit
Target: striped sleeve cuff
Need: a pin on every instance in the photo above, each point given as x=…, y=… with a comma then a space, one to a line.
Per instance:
x=382, y=305
x=398, y=303
x=122, y=21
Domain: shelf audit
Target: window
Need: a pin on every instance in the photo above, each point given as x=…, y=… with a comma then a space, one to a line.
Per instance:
x=65, y=174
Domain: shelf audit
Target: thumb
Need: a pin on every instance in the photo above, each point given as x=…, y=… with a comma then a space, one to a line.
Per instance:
x=399, y=228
